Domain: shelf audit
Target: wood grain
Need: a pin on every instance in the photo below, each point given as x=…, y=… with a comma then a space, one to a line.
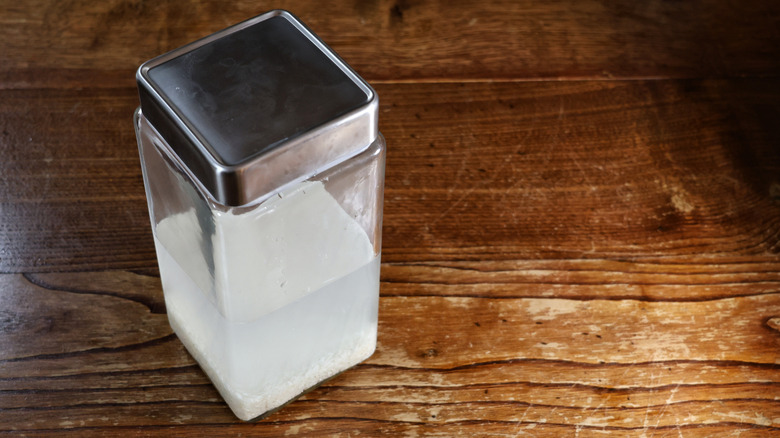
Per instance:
x=79, y=43
x=639, y=170
x=621, y=365
x=581, y=230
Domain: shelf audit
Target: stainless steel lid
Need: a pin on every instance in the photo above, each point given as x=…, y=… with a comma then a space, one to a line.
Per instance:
x=256, y=106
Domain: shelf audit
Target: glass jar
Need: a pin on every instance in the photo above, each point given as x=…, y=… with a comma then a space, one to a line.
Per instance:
x=264, y=174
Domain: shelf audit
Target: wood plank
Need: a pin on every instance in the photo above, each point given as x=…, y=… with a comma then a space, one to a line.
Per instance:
x=34, y=311
x=571, y=279
x=303, y=416
x=352, y=427
x=505, y=364
x=676, y=172
x=619, y=170
x=100, y=44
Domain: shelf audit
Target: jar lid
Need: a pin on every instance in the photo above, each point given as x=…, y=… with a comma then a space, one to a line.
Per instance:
x=256, y=106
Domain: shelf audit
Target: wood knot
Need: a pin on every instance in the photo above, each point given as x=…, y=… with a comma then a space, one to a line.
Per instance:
x=431, y=352
x=774, y=323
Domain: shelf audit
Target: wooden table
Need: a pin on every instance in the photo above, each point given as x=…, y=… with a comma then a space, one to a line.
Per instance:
x=581, y=230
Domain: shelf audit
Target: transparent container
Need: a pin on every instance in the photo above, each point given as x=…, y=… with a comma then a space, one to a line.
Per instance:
x=267, y=229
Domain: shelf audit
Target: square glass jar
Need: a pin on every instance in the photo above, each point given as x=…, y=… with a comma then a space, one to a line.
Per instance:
x=264, y=174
